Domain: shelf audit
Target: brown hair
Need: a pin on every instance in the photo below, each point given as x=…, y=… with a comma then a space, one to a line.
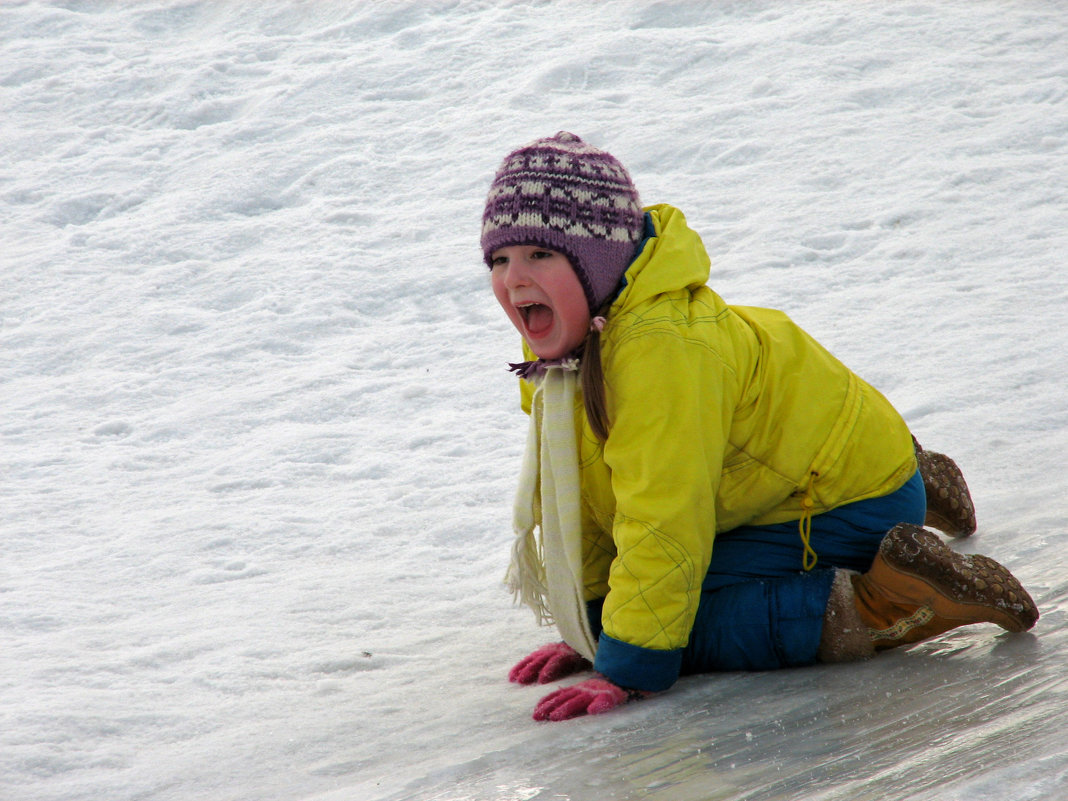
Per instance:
x=591, y=378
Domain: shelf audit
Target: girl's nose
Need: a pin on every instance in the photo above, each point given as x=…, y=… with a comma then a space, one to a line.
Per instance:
x=518, y=273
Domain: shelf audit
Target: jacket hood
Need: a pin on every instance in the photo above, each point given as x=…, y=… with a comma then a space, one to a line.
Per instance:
x=674, y=259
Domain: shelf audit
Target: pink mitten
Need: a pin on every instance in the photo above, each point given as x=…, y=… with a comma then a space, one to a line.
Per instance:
x=549, y=663
x=590, y=697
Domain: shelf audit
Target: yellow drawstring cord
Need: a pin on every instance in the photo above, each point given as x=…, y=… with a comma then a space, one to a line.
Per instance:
x=808, y=556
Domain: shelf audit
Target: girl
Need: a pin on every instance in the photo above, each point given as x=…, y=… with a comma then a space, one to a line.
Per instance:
x=705, y=487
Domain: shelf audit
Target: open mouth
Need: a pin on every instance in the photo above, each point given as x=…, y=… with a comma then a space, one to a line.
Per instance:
x=537, y=316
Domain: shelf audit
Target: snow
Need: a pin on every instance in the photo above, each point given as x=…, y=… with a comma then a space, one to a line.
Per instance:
x=257, y=441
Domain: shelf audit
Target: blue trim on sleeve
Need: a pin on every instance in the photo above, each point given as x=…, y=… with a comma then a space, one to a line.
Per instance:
x=636, y=668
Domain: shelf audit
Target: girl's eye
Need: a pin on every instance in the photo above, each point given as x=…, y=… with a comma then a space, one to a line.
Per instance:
x=541, y=254
x=496, y=261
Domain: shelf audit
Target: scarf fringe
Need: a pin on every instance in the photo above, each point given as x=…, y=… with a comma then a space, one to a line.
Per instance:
x=525, y=578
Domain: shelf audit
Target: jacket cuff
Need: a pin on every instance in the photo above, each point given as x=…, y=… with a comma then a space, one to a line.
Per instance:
x=634, y=667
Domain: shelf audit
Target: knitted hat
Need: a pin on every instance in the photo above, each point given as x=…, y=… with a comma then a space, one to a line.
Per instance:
x=564, y=195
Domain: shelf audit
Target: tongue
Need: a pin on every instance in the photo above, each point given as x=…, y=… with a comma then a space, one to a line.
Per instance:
x=539, y=319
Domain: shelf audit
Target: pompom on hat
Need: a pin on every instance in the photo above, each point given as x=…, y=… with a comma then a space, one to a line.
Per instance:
x=565, y=195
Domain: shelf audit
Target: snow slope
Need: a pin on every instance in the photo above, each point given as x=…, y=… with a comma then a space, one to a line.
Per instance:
x=257, y=445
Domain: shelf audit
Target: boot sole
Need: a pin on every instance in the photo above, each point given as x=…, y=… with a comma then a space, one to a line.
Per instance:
x=951, y=528
x=949, y=504
x=964, y=587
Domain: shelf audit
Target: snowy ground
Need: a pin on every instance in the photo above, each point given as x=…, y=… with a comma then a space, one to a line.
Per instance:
x=257, y=445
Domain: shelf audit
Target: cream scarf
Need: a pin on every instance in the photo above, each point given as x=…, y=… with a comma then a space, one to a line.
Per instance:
x=546, y=572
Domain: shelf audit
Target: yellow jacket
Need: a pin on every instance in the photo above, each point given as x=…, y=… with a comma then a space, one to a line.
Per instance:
x=720, y=416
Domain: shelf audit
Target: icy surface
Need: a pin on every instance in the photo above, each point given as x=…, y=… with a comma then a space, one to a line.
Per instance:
x=257, y=445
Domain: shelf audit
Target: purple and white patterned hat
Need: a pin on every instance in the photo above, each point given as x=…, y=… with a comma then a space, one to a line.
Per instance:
x=560, y=193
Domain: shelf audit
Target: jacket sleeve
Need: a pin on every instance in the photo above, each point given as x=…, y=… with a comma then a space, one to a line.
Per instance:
x=670, y=410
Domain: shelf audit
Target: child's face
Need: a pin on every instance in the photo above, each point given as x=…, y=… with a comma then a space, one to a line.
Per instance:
x=542, y=296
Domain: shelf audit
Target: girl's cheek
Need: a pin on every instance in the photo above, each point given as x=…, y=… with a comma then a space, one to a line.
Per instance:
x=501, y=295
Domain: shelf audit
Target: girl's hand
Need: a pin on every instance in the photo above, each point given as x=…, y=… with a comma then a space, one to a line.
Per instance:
x=549, y=663
x=590, y=697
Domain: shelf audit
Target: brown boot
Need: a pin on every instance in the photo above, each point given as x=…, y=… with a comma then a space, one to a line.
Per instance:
x=918, y=588
x=949, y=504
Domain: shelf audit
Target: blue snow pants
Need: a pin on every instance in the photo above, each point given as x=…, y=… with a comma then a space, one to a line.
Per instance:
x=759, y=609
